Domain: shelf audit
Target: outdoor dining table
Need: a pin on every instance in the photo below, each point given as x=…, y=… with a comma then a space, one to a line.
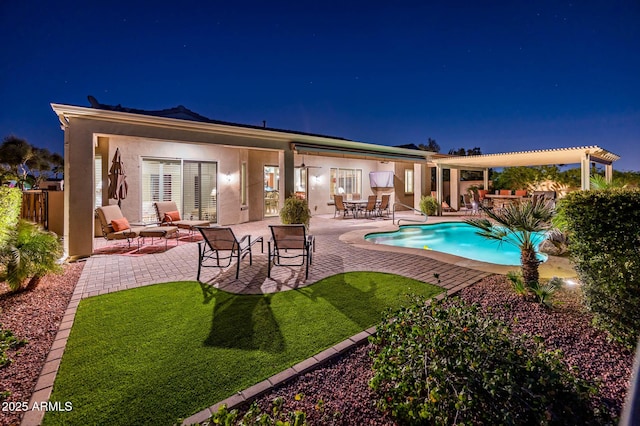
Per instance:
x=355, y=205
x=500, y=201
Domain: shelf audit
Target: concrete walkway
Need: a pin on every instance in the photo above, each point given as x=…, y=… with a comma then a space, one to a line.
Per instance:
x=340, y=247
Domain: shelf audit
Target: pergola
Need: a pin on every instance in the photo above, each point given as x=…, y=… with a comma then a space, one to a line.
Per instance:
x=584, y=156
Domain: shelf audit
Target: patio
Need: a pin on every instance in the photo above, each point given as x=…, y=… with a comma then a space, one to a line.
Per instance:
x=340, y=247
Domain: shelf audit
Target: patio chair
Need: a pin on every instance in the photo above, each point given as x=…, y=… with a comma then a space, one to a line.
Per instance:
x=370, y=208
x=470, y=203
x=341, y=206
x=221, y=244
x=168, y=215
x=115, y=226
x=505, y=192
x=384, y=206
x=290, y=242
x=446, y=207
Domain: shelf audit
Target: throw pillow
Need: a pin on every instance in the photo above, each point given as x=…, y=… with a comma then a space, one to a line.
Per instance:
x=172, y=216
x=120, y=224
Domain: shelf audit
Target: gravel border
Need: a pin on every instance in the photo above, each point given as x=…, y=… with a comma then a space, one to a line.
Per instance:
x=34, y=315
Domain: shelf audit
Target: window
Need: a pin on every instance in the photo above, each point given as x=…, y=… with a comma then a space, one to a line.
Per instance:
x=408, y=181
x=347, y=182
x=161, y=181
x=97, y=173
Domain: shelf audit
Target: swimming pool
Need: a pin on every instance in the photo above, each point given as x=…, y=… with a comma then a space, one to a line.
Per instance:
x=457, y=238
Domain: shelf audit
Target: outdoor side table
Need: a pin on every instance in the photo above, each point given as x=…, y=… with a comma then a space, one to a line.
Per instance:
x=152, y=232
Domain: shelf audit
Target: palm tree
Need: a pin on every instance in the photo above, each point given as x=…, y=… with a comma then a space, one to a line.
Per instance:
x=518, y=224
x=29, y=254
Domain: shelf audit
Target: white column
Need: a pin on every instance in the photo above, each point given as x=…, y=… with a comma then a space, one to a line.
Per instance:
x=585, y=172
x=608, y=172
x=439, y=187
x=454, y=191
x=417, y=184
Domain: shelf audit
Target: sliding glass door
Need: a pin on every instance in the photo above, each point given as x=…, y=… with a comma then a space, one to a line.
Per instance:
x=200, y=191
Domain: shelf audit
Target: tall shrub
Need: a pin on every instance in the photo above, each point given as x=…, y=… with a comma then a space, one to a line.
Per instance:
x=604, y=232
x=10, y=200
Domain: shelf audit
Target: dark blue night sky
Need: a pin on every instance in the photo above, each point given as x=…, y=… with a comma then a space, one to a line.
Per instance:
x=504, y=76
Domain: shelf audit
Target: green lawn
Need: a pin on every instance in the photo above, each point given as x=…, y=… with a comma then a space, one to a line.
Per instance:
x=154, y=354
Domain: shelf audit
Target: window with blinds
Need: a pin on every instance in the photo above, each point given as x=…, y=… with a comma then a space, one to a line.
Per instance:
x=161, y=181
x=346, y=182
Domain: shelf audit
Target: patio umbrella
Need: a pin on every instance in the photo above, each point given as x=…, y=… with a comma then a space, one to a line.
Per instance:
x=118, y=185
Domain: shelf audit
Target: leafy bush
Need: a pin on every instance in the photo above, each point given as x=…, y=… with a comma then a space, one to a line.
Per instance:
x=428, y=205
x=8, y=341
x=542, y=293
x=445, y=363
x=255, y=416
x=10, y=201
x=604, y=243
x=31, y=252
x=295, y=210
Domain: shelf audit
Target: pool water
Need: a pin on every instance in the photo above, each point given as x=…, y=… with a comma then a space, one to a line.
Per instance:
x=457, y=238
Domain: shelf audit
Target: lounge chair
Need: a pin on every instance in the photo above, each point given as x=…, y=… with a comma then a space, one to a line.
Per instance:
x=115, y=226
x=221, y=244
x=341, y=207
x=290, y=242
x=168, y=215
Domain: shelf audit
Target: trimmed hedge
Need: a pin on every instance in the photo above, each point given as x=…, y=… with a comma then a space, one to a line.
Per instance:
x=604, y=232
x=10, y=201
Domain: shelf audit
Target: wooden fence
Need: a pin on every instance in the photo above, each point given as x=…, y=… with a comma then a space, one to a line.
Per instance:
x=35, y=207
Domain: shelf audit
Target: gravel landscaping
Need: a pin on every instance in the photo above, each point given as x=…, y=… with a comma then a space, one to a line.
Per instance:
x=342, y=385
x=34, y=315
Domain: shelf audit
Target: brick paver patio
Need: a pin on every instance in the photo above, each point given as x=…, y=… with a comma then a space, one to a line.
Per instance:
x=107, y=273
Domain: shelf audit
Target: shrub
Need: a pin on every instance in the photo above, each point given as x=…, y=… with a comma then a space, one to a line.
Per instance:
x=445, y=363
x=255, y=416
x=8, y=341
x=542, y=293
x=604, y=243
x=30, y=253
x=428, y=205
x=295, y=210
x=10, y=201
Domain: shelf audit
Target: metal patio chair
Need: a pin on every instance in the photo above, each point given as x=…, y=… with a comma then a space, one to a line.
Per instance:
x=220, y=247
x=289, y=242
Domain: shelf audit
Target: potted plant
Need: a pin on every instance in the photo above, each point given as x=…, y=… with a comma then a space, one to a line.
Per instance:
x=295, y=210
x=428, y=205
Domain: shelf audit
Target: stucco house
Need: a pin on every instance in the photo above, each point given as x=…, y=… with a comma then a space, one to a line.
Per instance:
x=230, y=173
x=227, y=173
